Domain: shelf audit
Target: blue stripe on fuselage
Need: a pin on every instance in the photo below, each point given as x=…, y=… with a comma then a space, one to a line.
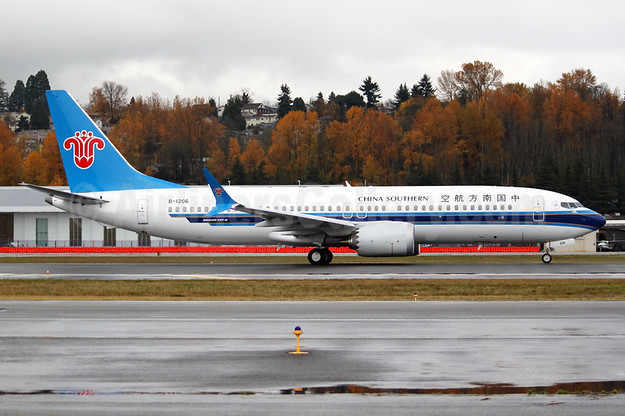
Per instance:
x=585, y=220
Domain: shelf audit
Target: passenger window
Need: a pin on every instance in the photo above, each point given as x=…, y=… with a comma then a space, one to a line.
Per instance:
x=177, y=209
x=170, y=209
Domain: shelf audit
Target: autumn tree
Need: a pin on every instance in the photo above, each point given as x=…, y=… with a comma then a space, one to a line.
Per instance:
x=253, y=161
x=53, y=164
x=382, y=161
x=293, y=154
x=472, y=81
x=431, y=145
x=319, y=105
x=32, y=172
x=11, y=166
x=110, y=99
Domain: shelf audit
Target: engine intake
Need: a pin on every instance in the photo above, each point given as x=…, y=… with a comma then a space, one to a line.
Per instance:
x=385, y=239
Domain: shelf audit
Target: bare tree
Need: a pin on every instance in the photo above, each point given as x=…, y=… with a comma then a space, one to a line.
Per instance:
x=109, y=99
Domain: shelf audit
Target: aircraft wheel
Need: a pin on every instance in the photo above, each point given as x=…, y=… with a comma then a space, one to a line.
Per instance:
x=546, y=258
x=318, y=256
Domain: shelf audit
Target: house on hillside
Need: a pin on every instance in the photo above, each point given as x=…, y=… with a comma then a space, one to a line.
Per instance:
x=256, y=114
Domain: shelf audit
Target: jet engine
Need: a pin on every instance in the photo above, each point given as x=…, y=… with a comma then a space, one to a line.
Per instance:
x=385, y=239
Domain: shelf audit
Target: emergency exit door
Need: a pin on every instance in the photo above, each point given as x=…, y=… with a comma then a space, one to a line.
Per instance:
x=142, y=211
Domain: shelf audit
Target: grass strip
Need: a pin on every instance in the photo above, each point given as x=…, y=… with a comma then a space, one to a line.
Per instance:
x=318, y=290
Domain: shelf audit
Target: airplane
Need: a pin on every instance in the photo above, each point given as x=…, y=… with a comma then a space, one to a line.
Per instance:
x=376, y=221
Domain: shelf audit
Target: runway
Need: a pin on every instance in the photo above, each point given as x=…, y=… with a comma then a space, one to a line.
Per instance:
x=306, y=271
x=231, y=357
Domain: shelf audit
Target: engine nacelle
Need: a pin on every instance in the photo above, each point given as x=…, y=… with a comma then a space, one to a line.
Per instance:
x=385, y=239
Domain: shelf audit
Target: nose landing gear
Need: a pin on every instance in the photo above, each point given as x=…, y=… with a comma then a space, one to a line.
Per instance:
x=546, y=258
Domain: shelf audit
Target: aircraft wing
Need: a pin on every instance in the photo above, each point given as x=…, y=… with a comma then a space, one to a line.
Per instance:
x=67, y=196
x=299, y=221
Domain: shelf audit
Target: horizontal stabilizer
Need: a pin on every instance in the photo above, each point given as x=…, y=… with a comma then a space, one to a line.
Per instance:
x=67, y=196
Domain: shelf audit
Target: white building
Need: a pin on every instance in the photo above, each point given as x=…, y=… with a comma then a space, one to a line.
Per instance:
x=26, y=220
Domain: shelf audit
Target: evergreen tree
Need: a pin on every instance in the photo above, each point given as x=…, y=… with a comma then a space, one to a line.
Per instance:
x=16, y=99
x=299, y=104
x=237, y=172
x=424, y=88
x=371, y=91
x=39, y=115
x=231, y=116
x=36, y=87
x=284, y=101
x=401, y=95
x=4, y=97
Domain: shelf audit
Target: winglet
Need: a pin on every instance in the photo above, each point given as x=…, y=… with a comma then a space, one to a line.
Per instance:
x=222, y=198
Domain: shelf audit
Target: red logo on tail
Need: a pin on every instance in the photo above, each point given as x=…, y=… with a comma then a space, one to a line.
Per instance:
x=84, y=147
x=218, y=191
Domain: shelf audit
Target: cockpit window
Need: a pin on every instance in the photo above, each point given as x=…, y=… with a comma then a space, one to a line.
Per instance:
x=571, y=205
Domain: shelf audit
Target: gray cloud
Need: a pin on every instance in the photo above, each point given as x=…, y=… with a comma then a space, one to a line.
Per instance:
x=209, y=48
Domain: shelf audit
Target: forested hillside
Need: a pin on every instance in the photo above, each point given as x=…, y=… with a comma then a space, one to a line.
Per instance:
x=567, y=135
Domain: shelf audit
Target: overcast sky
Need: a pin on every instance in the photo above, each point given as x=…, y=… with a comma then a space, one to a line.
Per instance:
x=218, y=48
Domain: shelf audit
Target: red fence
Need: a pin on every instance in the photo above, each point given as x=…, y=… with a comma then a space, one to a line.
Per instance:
x=239, y=250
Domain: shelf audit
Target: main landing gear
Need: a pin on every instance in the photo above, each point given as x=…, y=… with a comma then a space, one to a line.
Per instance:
x=320, y=256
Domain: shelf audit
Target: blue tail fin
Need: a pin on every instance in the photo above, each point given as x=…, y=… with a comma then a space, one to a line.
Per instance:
x=91, y=161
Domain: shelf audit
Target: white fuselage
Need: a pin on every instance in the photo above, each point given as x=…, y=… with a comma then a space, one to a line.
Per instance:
x=440, y=214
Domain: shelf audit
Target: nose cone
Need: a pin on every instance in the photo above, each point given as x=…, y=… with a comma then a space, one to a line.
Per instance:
x=595, y=220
